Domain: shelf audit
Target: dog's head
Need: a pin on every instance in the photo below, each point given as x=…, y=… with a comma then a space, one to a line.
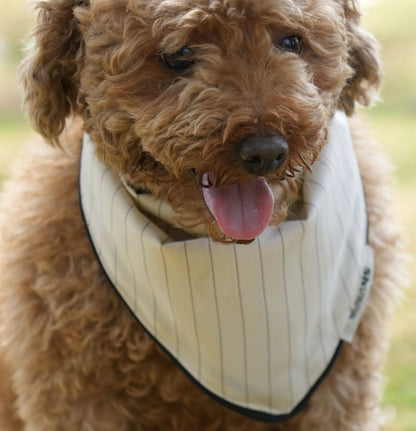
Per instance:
x=216, y=105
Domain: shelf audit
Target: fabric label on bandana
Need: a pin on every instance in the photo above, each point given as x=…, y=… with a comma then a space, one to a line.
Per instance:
x=362, y=297
x=256, y=325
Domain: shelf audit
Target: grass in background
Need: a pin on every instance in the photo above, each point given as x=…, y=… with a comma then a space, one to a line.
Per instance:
x=394, y=125
x=14, y=131
x=15, y=20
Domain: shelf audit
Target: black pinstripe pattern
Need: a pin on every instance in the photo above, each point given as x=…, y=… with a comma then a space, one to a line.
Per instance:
x=172, y=309
x=115, y=251
x=266, y=310
x=342, y=227
x=266, y=329
x=318, y=266
x=146, y=271
x=133, y=275
x=214, y=288
x=243, y=325
x=194, y=320
x=288, y=317
x=100, y=213
x=305, y=308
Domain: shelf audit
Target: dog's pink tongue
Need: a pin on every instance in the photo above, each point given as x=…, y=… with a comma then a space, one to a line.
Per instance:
x=242, y=210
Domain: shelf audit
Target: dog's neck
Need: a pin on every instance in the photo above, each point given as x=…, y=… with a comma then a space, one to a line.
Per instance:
x=160, y=212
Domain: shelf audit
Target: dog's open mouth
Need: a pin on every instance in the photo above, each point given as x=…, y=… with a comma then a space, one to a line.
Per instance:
x=242, y=210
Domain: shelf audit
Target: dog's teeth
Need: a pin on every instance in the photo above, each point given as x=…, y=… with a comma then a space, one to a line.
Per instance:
x=208, y=180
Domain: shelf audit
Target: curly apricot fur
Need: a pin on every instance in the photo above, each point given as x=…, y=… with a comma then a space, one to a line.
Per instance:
x=73, y=358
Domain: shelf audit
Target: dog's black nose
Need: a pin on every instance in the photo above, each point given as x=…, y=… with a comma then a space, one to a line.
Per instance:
x=262, y=155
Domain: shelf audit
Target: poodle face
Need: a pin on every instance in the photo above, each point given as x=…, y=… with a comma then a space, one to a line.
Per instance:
x=216, y=105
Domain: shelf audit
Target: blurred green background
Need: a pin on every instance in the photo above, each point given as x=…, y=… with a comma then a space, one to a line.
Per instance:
x=393, y=122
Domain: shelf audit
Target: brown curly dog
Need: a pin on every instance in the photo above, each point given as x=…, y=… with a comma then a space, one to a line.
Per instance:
x=212, y=124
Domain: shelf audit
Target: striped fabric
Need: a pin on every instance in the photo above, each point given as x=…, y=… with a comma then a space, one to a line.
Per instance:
x=256, y=325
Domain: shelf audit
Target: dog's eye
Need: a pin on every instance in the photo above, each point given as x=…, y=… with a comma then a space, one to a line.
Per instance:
x=179, y=61
x=291, y=44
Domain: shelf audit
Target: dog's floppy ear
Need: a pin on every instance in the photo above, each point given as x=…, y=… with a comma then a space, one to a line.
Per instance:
x=50, y=71
x=363, y=86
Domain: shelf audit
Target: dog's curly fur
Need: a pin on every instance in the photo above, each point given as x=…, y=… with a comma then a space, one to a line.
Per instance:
x=73, y=357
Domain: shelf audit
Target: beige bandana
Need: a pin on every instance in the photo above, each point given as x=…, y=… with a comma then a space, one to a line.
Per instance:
x=256, y=325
